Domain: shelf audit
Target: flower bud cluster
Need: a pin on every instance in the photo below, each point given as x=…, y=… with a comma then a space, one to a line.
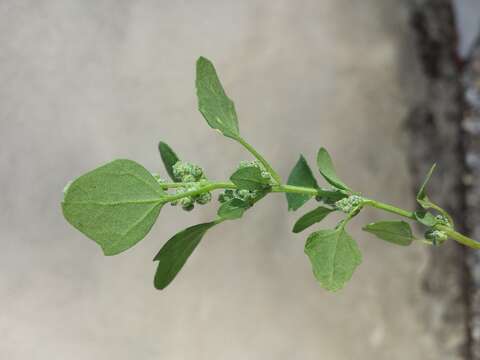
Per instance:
x=436, y=236
x=248, y=196
x=195, y=177
x=349, y=204
x=158, y=178
x=443, y=220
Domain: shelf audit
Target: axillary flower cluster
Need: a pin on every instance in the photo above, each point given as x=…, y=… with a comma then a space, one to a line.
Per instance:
x=248, y=196
x=194, y=178
x=350, y=205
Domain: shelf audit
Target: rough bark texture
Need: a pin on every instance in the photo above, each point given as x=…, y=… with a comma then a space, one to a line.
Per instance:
x=435, y=128
x=471, y=138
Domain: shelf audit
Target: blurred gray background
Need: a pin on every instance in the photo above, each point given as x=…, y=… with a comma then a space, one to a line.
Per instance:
x=85, y=82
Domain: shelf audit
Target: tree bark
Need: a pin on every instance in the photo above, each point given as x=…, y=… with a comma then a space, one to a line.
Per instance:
x=471, y=145
x=435, y=127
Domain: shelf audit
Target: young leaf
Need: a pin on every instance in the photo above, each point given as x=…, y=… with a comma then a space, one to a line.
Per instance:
x=325, y=165
x=301, y=175
x=249, y=178
x=217, y=109
x=334, y=256
x=169, y=159
x=422, y=197
x=425, y=218
x=115, y=205
x=396, y=232
x=310, y=218
x=233, y=209
x=176, y=251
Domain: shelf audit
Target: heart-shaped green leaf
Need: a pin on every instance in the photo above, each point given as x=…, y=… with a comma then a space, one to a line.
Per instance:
x=115, y=205
x=217, y=109
x=325, y=165
x=176, y=251
x=396, y=232
x=334, y=256
x=301, y=175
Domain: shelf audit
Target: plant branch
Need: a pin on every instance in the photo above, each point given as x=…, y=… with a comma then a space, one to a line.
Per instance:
x=209, y=186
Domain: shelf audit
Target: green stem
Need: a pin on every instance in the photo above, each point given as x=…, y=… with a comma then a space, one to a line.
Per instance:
x=260, y=158
x=462, y=239
x=169, y=185
x=207, y=187
x=390, y=208
x=295, y=189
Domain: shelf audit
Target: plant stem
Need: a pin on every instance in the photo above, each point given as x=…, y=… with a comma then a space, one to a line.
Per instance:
x=171, y=185
x=295, y=189
x=260, y=158
x=390, y=208
x=209, y=186
x=462, y=239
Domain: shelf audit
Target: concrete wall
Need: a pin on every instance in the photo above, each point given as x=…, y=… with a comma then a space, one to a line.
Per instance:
x=84, y=82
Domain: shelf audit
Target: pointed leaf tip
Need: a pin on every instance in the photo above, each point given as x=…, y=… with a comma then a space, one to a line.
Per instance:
x=169, y=158
x=176, y=251
x=301, y=175
x=215, y=106
x=325, y=165
x=422, y=197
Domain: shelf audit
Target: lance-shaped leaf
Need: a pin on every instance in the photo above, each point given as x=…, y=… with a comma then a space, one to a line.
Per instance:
x=115, y=205
x=301, y=175
x=176, y=251
x=396, y=232
x=217, y=109
x=325, y=165
x=250, y=178
x=334, y=256
x=424, y=201
x=169, y=159
x=422, y=197
x=311, y=217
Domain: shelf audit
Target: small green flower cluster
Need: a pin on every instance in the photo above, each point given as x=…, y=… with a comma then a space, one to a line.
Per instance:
x=259, y=165
x=349, y=204
x=193, y=175
x=158, y=178
x=248, y=196
x=443, y=220
x=436, y=236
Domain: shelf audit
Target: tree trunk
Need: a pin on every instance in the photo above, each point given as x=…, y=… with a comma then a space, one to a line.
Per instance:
x=435, y=126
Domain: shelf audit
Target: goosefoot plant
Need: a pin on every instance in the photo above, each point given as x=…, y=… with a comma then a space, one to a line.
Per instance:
x=117, y=204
